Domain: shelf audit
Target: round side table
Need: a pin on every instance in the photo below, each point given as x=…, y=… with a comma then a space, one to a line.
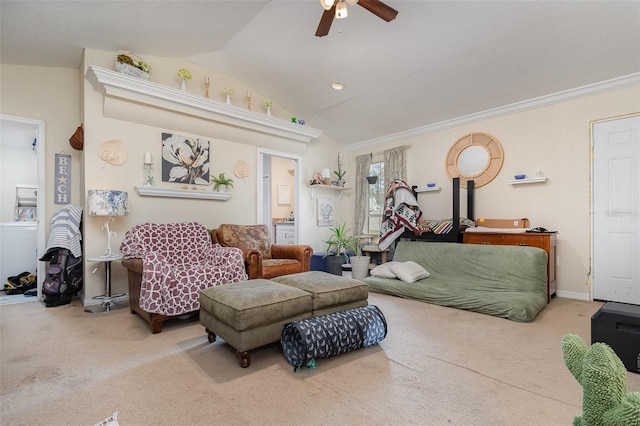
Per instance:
x=107, y=298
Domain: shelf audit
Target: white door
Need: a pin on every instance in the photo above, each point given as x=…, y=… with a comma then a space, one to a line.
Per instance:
x=616, y=210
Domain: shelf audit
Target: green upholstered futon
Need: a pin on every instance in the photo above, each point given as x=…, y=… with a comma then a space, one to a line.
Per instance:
x=504, y=281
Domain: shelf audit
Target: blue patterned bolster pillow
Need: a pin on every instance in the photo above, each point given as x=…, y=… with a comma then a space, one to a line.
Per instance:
x=330, y=335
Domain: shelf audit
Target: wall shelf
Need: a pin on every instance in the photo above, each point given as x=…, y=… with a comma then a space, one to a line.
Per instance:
x=137, y=91
x=428, y=189
x=314, y=189
x=527, y=180
x=154, y=191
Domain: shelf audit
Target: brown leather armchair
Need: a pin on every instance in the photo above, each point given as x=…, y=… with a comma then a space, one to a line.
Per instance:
x=263, y=259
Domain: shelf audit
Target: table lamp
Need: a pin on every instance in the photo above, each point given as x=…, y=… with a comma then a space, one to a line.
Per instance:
x=108, y=203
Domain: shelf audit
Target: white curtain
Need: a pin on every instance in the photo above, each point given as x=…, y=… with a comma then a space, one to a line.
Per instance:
x=363, y=163
x=395, y=164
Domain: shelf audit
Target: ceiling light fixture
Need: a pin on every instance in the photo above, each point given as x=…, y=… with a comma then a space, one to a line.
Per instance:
x=341, y=6
x=336, y=85
x=341, y=10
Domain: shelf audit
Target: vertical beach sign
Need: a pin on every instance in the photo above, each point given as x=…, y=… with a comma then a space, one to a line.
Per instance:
x=62, y=182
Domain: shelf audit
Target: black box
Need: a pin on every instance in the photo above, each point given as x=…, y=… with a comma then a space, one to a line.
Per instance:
x=618, y=325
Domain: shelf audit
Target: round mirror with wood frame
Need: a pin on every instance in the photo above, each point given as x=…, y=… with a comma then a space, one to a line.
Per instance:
x=476, y=156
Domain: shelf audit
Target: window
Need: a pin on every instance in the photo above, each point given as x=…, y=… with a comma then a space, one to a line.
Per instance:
x=376, y=199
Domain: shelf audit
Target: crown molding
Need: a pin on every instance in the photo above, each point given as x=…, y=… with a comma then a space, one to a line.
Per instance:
x=529, y=104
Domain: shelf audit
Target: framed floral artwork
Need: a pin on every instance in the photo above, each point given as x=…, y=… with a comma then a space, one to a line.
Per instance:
x=326, y=212
x=185, y=160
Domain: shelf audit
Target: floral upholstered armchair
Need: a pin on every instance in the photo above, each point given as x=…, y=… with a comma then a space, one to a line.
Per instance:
x=169, y=264
x=263, y=259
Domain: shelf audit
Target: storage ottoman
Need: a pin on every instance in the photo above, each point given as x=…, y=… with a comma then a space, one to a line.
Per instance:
x=251, y=314
x=330, y=293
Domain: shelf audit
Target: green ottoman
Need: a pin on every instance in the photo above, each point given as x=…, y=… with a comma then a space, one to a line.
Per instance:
x=251, y=314
x=331, y=293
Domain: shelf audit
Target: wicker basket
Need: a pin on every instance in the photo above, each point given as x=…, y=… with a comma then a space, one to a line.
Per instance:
x=129, y=69
x=77, y=139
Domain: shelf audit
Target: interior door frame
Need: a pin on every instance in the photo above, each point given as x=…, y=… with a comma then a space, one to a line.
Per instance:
x=39, y=126
x=260, y=199
x=592, y=124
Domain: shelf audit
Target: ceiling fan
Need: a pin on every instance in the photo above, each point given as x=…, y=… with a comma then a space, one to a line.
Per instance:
x=338, y=9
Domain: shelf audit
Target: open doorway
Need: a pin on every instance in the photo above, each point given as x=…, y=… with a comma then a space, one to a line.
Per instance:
x=278, y=197
x=23, y=139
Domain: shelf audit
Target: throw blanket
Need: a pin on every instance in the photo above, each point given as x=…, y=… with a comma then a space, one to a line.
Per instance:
x=401, y=211
x=65, y=231
x=178, y=261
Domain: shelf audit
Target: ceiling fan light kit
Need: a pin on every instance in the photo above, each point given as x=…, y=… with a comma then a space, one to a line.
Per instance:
x=337, y=9
x=341, y=10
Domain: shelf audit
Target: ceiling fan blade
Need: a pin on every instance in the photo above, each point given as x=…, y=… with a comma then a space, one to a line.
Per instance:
x=325, y=22
x=379, y=9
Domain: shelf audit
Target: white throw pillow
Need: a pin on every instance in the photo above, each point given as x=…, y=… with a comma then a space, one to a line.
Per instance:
x=384, y=270
x=409, y=271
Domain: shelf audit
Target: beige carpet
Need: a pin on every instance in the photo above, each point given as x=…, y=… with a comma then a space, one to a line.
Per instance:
x=437, y=366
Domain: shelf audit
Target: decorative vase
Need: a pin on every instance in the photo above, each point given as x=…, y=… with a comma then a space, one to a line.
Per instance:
x=222, y=188
x=184, y=86
x=228, y=99
x=269, y=111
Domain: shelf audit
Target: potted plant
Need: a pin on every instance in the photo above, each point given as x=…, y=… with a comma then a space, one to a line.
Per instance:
x=340, y=173
x=221, y=182
x=338, y=246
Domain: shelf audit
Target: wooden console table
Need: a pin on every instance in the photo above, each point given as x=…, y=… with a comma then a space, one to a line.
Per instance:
x=544, y=240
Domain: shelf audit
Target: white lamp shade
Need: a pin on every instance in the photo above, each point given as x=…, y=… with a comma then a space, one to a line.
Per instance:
x=108, y=203
x=341, y=10
x=326, y=4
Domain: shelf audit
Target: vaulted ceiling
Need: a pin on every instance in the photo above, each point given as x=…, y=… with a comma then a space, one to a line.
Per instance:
x=437, y=61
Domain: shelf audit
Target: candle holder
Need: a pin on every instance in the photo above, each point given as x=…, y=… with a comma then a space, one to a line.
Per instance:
x=206, y=87
x=148, y=175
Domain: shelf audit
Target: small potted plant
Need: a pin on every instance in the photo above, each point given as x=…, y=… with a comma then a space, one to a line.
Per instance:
x=340, y=173
x=338, y=246
x=184, y=75
x=229, y=92
x=221, y=182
